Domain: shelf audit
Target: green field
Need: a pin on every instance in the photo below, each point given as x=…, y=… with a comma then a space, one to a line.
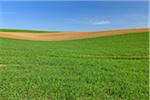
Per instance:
x=26, y=31
x=104, y=68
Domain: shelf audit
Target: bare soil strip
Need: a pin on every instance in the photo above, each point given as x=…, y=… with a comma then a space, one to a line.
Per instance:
x=2, y=65
x=58, y=36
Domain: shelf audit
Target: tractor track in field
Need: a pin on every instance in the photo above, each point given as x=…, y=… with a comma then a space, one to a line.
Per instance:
x=58, y=36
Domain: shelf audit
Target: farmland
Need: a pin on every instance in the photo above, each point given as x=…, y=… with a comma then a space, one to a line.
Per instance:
x=26, y=31
x=102, y=68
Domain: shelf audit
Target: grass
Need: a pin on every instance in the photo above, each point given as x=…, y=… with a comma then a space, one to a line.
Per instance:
x=26, y=31
x=105, y=68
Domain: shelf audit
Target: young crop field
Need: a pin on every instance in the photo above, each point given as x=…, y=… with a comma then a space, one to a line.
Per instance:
x=102, y=68
x=26, y=31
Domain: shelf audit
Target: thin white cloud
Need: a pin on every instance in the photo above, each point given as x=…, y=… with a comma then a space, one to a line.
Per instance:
x=75, y=20
x=103, y=22
x=90, y=21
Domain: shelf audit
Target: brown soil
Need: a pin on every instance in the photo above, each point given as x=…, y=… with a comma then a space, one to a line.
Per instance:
x=67, y=35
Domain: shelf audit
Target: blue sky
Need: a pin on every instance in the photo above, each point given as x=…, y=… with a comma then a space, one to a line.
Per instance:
x=73, y=16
